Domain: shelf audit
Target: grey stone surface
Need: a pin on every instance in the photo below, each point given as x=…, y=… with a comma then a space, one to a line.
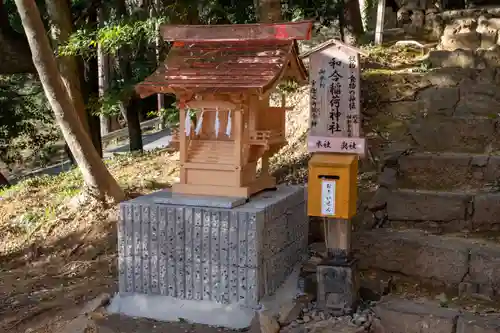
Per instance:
x=387, y=177
x=421, y=205
x=486, y=210
x=478, y=105
x=448, y=171
x=169, y=198
x=207, y=253
x=439, y=100
x=413, y=253
x=453, y=59
x=485, y=265
x=492, y=171
x=444, y=259
x=463, y=134
x=400, y=315
x=337, y=287
x=469, y=323
x=434, y=172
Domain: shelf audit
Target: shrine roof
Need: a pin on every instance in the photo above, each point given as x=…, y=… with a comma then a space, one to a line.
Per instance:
x=222, y=63
x=332, y=42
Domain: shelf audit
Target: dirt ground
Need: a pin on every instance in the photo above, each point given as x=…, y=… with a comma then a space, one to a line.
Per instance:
x=50, y=290
x=45, y=295
x=129, y=325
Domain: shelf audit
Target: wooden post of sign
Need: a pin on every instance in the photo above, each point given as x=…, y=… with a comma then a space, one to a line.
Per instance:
x=338, y=238
x=335, y=120
x=379, y=28
x=337, y=274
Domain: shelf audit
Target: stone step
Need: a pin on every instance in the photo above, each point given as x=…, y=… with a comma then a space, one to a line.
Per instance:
x=400, y=314
x=449, y=171
x=438, y=210
x=472, y=134
x=470, y=265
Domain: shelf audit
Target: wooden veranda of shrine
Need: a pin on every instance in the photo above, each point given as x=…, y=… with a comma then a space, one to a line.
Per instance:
x=223, y=76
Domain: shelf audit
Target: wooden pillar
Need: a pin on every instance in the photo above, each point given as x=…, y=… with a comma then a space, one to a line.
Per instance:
x=238, y=145
x=338, y=238
x=238, y=136
x=253, y=108
x=182, y=144
x=265, y=165
x=337, y=275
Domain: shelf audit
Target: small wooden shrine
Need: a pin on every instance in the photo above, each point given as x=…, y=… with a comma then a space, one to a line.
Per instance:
x=223, y=76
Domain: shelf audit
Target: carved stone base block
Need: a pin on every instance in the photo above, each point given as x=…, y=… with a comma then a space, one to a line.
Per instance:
x=194, y=248
x=337, y=286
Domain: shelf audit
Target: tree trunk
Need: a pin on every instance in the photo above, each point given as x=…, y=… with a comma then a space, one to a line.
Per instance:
x=269, y=11
x=160, y=98
x=15, y=55
x=129, y=108
x=95, y=174
x=103, y=74
x=352, y=28
x=134, y=125
x=3, y=181
x=90, y=82
x=95, y=133
x=91, y=90
x=61, y=28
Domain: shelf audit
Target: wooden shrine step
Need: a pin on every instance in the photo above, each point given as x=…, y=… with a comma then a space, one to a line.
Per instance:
x=214, y=152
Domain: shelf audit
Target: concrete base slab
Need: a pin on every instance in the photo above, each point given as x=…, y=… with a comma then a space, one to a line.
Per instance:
x=233, y=316
x=166, y=308
x=169, y=198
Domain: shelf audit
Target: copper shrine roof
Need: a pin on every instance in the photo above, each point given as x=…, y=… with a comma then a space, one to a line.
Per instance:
x=226, y=65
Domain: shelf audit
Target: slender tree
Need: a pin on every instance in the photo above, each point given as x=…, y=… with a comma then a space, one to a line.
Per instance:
x=61, y=27
x=103, y=74
x=352, y=27
x=98, y=180
x=131, y=107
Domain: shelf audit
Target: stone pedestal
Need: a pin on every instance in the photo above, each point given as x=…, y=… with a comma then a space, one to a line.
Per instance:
x=219, y=250
x=337, y=284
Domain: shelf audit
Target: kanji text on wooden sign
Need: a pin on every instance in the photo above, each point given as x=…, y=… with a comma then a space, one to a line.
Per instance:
x=335, y=99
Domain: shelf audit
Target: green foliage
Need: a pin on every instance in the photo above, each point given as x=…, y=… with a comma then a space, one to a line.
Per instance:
x=171, y=115
x=13, y=15
x=320, y=10
x=220, y=11
x=288, y=86
x=26, y=122
x=112, y=37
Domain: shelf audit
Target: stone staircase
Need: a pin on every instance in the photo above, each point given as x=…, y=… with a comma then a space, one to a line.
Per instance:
x=438, y=213
x=435, y=216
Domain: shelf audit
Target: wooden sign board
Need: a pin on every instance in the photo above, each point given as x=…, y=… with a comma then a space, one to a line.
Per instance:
x=334, y=119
